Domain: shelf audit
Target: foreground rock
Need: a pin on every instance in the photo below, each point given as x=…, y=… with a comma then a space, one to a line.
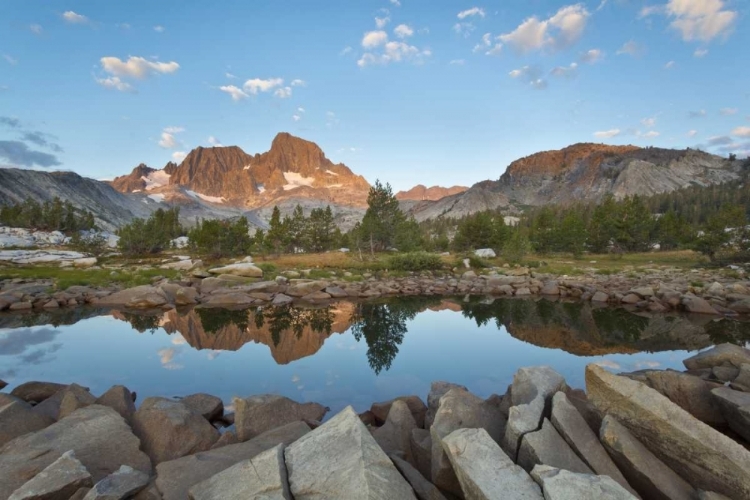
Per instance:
x=61, y=479
x=415, y=404
x=17, y=419
x=484, y=470
x=99, y=437
x=648, y=475
x=206, y=405
x=72, y=398
x=562, y=484
x=576, y=432
x=36, y=392
x=258, y=414
x=437, y=391
x=123, y=483
x=169, y=429
x=706, y=458
x=721, y=354
x=340, y=459
x=546, y=447
x=460, y=409
x=531, y=395
x=424, y=489
x=736, y=408
x=120, y=399
x=176, y=477
x=395, y=434
x=263, y=476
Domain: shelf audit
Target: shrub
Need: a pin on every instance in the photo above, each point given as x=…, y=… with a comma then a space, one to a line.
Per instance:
x=415, y=261
x=152, y=235
x=221, y=238
x=92, y=243
x=267, y=267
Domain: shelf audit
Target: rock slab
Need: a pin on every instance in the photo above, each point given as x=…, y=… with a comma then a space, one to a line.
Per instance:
x=701, y=455
x=560, y=484
x=60, y=480
x=263, y=476
x=484, y=470
x=258, y=414
x=340, y=459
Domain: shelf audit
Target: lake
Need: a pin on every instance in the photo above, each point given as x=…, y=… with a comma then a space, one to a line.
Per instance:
x=345, y=353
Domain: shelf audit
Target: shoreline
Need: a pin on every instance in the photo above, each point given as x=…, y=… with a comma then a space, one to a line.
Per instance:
x=242, y=284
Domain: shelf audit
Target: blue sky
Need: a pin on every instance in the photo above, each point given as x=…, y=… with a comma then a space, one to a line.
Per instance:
x=408, y=91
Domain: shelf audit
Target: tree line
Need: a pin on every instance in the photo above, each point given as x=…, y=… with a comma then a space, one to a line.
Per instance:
x=52, y=215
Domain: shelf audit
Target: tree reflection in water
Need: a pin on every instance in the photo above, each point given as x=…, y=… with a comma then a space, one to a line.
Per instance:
x=383, y=326
x=295, y=319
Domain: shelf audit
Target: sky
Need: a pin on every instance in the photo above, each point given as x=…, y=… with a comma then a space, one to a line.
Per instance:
x=406, y=91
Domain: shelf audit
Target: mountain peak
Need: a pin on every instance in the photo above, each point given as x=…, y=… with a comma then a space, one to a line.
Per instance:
x=421, y=193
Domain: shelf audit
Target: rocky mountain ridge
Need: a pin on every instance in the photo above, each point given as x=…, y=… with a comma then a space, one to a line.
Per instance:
x=584, y=172
x=421, y=192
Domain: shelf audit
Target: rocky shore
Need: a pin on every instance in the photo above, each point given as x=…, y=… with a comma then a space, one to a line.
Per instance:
x=243, y=284
x=648, y=434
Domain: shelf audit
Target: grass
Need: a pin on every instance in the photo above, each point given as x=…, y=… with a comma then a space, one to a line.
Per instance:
x=64, y=278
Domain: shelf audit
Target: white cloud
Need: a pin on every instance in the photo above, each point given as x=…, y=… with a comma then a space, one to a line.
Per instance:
x=692, y=133
x=374, y=39
x=670, y=65
x=700, y=52
x=486, y=45
x=298, y=83
x=259, y=85
x=464, y=29
x=697, y=114
x=394, y=52
x=631, y=48
x=649, y=122
x=728, y=111
x=741, y=132
x=123, y=26
x=397, y=3
x=301, y=109
x=179, y=155
x=607, y=134
x=236, y=93
x=296, y=118
x=136, y=67
x=214, y=141
x=36, y=29
x=10, y=59
x=474, y=11
x=230, y=76
x=530, y=75
x=559, y=31
x=283, y=92
x=380, y=22
x=168, y=139
x=403, y=31
x=74, y=18
x=701, y=19
x=565, y=71
x=592, y=56
x=457, y=62
x=115, y=83
x=346, y=50
x=159, y=29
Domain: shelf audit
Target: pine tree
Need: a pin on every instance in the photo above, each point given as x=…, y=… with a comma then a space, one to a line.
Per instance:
x=382, y=219
x=277, y=236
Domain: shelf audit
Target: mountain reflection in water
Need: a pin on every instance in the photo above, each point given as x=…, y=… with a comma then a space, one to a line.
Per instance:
x=345, y=352
x=292, y=333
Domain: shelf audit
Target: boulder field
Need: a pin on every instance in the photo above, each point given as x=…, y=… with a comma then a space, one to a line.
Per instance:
x=245, y=284
x=655, y=435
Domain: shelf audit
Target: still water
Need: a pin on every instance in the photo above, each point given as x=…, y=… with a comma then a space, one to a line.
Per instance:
x=345, y=353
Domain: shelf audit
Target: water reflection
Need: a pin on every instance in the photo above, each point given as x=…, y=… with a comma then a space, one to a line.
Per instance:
x=293, y=333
